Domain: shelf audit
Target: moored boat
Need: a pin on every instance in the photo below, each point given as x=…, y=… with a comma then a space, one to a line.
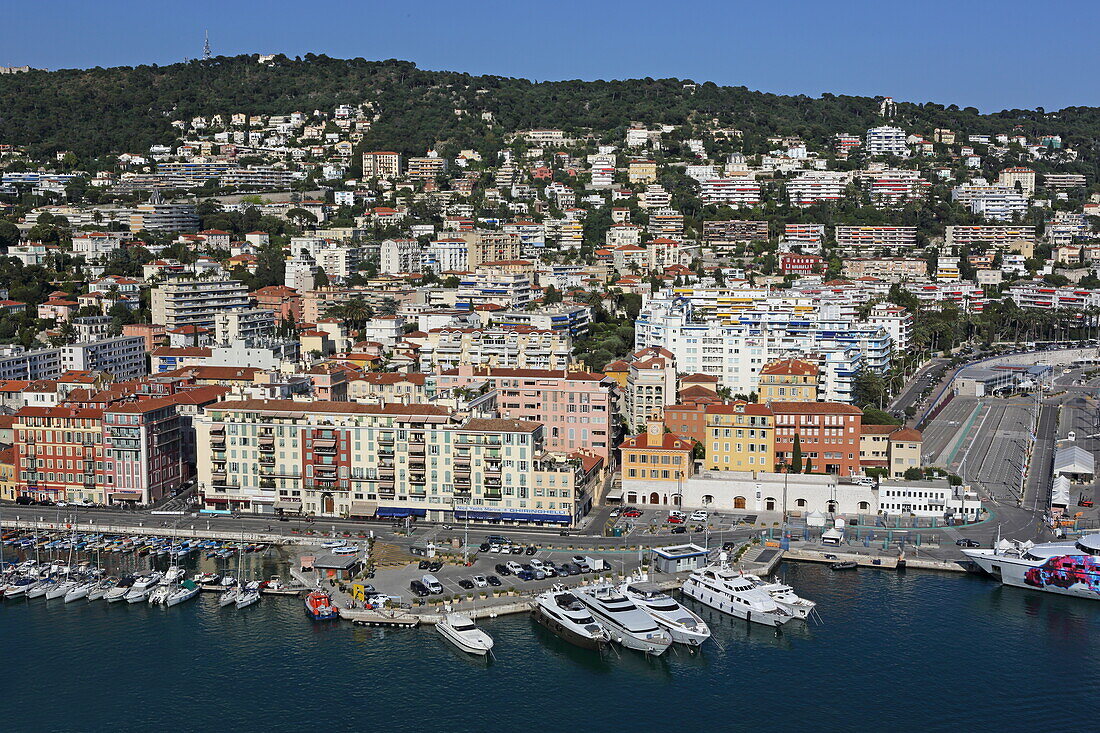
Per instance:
x=319, y=606
x=458, y=629
x=562, y=613
x=628, y=625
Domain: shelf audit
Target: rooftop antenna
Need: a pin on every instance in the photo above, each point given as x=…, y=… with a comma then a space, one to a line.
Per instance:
x=206, y=47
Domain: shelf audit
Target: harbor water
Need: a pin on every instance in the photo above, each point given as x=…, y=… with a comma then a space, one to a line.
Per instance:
x=896, y=651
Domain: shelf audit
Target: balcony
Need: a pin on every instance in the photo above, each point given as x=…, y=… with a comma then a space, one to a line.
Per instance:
x=386, y=438
x=218, y=477
x=267, y=483
x=267, y=449
x=324, y=450
x=217, y=443
x=416, y=450
x=218, y=430
x=267, y=460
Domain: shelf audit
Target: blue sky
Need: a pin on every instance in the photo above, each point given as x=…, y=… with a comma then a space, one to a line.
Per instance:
x=990, y=55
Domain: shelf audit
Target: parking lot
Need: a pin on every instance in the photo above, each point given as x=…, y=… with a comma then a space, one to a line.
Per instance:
x=396, y=581
x=655, y=521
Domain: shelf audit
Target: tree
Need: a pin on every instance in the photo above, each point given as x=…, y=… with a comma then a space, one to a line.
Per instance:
x=320, y=280
x=796, y=455
x=300, y=216
x=809, y=465
x=875, y=416
x=551, y=295
x=914, y=474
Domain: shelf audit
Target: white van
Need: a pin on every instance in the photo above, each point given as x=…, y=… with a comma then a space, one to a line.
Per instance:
x=432, y=584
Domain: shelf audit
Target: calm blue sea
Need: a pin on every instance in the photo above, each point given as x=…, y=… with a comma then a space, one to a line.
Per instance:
x=896, y=652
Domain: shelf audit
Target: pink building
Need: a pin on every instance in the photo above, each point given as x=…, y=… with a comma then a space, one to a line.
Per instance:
x=577, y=408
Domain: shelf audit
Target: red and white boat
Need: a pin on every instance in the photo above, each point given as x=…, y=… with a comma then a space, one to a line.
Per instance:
x=320, y=608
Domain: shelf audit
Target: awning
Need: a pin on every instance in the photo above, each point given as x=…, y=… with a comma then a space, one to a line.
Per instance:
x=399, y=512
x=462, y=514
x=536, y=517
x=364, y=508
x=614, y=495
x=289, y=504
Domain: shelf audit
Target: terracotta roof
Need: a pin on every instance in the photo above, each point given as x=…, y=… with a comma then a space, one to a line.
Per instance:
x=669, y=441
x=907, y=434
x=877, y=429
x=699, y=378
x=814, y=408
x=501, y=425
x=327, y=407
x=796, y=367
x=739, y=408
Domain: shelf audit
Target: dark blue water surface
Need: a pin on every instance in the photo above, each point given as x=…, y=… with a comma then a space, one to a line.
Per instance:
x=896, y=652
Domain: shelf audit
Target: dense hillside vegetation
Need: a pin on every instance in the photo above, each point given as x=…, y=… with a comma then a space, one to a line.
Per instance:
x=98, y=111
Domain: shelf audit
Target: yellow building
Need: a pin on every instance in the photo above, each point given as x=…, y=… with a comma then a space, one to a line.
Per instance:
x=788, y=380
x=657, y=456
x=740, y=437
x=7, y=474
x=642, y=171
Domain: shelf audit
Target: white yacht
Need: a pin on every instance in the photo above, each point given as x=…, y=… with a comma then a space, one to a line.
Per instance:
x=185, y=592
x=785, y=597
x=60, y=590
x=683, y=625
x=629, y=625
x=461, y=631
x=41, y=588
x=229, y=596
x=143, y=586
x=80, y=591
x=119, y=591
x=561, y=612
x=726, y=590
x=174, y=574
x=1070, y=567
x=246, y=597
x=160, y=595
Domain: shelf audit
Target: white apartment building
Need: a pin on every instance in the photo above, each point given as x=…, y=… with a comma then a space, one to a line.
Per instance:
x=246, y=325
x=896, y=321
x=992, y=202
x=447, y=255
x=803, y=235
x=300, y=273
x=397, y=256
x=859, y=237
x=814, y=187
x=181, y=303
x=886, y=141
x=381, y=164
x=995, y=235
x=733, y=192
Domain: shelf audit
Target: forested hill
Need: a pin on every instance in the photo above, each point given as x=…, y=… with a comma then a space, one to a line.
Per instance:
x=126, y=109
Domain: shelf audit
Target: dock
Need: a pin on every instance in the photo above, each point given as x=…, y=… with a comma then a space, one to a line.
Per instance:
x=882, y=562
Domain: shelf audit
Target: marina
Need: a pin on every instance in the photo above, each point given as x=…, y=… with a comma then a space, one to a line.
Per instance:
x=199, y=648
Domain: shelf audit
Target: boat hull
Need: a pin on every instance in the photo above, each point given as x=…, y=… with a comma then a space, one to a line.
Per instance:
x=1068, y=575
x=564, y=632
x=460, y=643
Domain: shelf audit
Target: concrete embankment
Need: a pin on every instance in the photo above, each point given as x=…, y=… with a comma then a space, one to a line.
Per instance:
x=889, y=562
x=154, y=529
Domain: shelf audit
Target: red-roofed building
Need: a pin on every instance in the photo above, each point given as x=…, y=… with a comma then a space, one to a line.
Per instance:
x=654, y=463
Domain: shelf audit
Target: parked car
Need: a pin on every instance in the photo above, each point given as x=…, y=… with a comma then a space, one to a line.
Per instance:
x=502, y=569
x=466, y=584
x=423, y=564
x=493, y=581
x=514, y=567
x=673, y=519
x=484, y=547
x=614, y=513
x=496, y=539
x=480, y=581
x=531, y=550
x=679, y=529
x=431, y=583
x=419, y=588
x=517, y=549
x=537, y=572
x=967, y=542
x=699, y=515
x=435, y=566
x=632, y=513
x=536, y=563
x=524, y=575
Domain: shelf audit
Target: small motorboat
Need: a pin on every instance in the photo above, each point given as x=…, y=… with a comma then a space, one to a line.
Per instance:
x=120, y=589
x=844, y=565
x=19, y=587
x=207, y=578
x=159, y=595
x=320, y=608
x=345, y=550
x=101, y=588
x=458, y=629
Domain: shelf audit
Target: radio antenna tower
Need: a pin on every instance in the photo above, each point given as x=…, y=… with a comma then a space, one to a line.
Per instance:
x=206, y=47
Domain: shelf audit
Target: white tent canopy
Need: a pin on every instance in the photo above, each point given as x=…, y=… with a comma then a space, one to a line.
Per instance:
x=1059, y=495
x=1073, y=460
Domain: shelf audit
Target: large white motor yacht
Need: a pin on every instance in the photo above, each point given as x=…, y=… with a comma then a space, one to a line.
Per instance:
x=629, y=625
x=784, y=596
x=461, y=631
x=1071, y=567
x=560, y=611
x=726, y=590
x=683, y=625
